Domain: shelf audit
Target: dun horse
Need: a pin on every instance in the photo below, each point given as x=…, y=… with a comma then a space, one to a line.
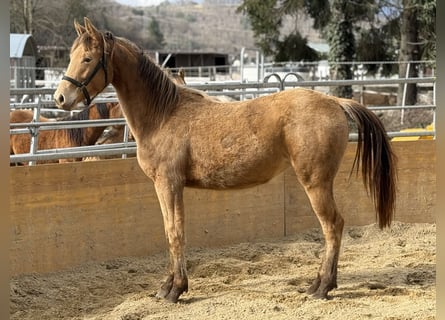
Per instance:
x=62, y=138
x=187, y=139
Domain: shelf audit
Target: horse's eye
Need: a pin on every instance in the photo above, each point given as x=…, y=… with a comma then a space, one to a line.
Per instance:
x=87, y=59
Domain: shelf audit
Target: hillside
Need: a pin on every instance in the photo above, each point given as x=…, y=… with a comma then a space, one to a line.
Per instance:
x=210, y=25
x=214, y=27
x=192, y=27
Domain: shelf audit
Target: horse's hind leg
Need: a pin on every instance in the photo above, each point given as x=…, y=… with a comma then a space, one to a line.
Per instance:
x=323, y=204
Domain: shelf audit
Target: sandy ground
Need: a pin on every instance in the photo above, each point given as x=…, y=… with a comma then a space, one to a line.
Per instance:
x=382, y=275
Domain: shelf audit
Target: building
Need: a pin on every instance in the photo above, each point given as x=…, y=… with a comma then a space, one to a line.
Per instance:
x=193, y=61
x=22, y=59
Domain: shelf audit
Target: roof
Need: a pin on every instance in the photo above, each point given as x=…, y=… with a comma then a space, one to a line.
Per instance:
x=21, y=45
x=320, y=47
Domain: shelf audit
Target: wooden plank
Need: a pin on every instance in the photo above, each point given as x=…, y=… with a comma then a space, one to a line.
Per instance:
x=68, y=214
x=416, y=196
x=215, y=218
x=64, y=215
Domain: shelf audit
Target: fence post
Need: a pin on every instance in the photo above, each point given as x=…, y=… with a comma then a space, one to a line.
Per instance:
x=126, y=134
x=34, y=132
x=402, y=115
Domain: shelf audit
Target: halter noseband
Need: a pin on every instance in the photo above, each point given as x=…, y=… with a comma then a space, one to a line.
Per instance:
x=83, y=85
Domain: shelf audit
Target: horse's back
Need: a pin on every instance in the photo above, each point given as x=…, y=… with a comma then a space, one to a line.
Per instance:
x=21, y=143
x=229, y=145
x=20, y=116
x=24, y=116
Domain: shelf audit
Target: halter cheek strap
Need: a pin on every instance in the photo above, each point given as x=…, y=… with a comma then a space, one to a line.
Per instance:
x=83, y=85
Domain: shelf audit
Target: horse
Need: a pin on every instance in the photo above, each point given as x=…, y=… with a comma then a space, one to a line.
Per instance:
x=185, y=138
x=62, y=138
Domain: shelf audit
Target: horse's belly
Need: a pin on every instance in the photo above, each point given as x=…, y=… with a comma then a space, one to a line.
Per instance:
x=235, y=173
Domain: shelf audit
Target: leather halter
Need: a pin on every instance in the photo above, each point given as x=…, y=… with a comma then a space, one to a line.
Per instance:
x=102, y=63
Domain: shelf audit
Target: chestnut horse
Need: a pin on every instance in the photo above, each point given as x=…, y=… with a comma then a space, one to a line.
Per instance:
x=185, y=138
x=62, y=138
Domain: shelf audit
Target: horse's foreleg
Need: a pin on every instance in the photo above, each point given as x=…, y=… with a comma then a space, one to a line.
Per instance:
x=172, y=206
x=323, y=203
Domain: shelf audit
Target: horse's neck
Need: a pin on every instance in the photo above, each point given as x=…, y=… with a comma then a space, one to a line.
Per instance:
x=140, y=102
x=91, y=134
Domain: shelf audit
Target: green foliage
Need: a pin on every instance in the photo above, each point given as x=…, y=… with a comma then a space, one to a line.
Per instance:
x=156, y=34
x=294, y=48
x=320, y=11
x=427, y=28
x=375, y=44
x=137, y=12
x=266, y=16
x=191, y=18
x=77, y=9
x=342, y=49
x=341, y=41
x=265, y=19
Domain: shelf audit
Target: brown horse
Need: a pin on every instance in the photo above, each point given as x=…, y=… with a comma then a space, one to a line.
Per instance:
x=62, y=138
x=186, y=139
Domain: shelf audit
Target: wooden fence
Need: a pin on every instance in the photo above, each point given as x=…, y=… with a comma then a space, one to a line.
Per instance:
x=64, y=215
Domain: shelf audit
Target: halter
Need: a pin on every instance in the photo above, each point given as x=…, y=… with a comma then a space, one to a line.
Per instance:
x=83, y=85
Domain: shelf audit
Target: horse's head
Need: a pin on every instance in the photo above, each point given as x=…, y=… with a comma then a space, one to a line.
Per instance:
x=88, y=72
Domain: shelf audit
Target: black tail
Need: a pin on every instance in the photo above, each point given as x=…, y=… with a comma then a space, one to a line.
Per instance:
x=377, y=159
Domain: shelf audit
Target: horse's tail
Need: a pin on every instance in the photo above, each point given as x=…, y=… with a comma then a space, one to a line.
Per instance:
x=377, y=159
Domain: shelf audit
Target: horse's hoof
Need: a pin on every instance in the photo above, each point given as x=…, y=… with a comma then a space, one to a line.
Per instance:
x=314, y=287
x=172, y=296
x=161, y=294
x=321, y=296
x=166, y=287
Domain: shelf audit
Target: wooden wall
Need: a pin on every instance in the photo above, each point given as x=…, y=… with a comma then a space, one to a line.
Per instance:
x=64, y=215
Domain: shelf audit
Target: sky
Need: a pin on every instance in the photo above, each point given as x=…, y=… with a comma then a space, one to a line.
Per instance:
x=139, y=3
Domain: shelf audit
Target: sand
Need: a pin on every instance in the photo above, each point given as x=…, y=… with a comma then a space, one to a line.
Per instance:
x=387, y=274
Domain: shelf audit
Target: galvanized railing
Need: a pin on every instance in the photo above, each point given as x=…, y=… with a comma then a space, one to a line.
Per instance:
x=243, y=90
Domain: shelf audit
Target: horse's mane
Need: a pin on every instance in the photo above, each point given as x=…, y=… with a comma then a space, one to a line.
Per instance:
x=76, y=135
x=166, y=97
x=161, y=93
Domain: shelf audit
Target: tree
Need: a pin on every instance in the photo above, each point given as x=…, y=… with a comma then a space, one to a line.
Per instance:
x=336, y=20
x=374, y=44
x=24, y=15
x=156, y=34
x=265, y=18
x=342, y=46
x=294, y=48
x=50, y=22
x=409, y=51
x=427, y=29
x=381, y=27
x=417, y=41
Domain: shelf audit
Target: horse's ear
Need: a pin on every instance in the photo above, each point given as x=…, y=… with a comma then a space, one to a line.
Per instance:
x=181, y=73
x=79, y=29
x=108, y=35
x=91, y=29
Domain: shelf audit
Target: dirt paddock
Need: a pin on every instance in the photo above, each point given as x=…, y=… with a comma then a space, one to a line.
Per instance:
x=387, y=274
